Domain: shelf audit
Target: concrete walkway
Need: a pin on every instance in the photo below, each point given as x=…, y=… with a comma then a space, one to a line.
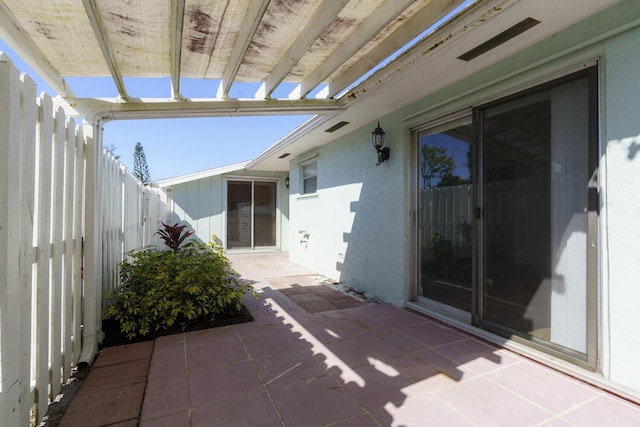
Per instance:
x=321, y=365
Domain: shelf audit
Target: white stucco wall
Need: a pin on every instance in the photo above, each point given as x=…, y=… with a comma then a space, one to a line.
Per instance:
x=361, y=211
x=621, y=217
x=355, y=222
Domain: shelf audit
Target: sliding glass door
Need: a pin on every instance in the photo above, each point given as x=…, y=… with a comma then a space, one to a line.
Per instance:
x=251, y=214
x=537, y=167
x=507, y=211
x=445, y=207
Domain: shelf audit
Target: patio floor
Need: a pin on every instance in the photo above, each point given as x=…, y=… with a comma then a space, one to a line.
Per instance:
x=319, y=364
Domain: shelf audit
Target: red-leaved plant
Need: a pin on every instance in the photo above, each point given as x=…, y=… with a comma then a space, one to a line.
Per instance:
x=174, y=235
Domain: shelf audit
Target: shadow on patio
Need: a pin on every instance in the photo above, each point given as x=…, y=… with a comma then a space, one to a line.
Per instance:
x=364, y=366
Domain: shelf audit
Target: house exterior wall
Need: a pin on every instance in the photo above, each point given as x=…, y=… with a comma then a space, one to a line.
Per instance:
x=201, y=204
x=352, y=229
x=360, y=223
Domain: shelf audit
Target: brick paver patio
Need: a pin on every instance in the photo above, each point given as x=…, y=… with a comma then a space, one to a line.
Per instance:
x=368, y=365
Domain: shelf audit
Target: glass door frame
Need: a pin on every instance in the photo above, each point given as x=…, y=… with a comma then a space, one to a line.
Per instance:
x=434, y=125
x=590, y=360
x=278, y=218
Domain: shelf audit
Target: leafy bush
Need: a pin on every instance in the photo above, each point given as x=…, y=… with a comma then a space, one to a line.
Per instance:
x=440, y=246
x=160, y=289
x=172, y=235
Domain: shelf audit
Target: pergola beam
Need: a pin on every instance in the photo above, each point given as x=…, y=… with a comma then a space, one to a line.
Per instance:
x=98, y=28
x=379, y=19
x=177, y=24
x=247, y=31
x=110, y=109
x=422, y=20
x=14, y=35
x=323, y=16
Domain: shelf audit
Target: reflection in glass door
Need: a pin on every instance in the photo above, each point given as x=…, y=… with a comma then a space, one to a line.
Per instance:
x=251, y=214
x=536, y=173
x=506, y=236
x=444, y=209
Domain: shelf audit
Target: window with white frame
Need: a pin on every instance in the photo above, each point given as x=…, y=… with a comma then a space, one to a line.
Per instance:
x=310, y=177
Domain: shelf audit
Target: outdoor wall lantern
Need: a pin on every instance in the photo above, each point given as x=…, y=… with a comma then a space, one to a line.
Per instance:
x=377, y=139
x=286, y=182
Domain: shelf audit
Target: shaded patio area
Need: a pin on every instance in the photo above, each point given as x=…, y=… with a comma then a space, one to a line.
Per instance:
x=368, y=365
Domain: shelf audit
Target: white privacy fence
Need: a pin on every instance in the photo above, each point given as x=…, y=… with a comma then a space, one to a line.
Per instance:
x=446, y=211
x=68, y=211
x=132, y=215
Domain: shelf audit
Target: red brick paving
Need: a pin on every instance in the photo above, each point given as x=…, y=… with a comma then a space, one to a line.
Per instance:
x=311, y=296
x=113, y=392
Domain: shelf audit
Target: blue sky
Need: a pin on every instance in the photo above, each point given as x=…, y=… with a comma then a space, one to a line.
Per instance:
x=175, y=147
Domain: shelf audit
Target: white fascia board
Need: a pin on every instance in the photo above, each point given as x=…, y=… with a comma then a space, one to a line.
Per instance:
x=291, y=137
x=169, y=182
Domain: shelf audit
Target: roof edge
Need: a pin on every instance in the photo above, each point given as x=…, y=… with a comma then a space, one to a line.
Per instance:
x=164, y=183
x=290, y=138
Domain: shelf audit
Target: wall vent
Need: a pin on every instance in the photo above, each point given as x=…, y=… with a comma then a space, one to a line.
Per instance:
x=336, y=126
x=284, y=155
x=501, y=38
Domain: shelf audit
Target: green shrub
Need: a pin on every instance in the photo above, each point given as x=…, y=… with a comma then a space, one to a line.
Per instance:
x=160, y=289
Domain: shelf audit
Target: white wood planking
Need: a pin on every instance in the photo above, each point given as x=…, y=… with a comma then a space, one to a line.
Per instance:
x=442, y=209
x=9, y=237
x=321, y=19
x=78, y=233
x=57, y=224
x=45, y=137
x=27, y=166
x=45, y=302
x=67, y=301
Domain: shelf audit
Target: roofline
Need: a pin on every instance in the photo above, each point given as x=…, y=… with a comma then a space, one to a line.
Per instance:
x=290, y=138
x=164, y=183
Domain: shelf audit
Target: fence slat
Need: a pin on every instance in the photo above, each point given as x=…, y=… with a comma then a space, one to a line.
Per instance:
x=27, y=189
x=45, y=150
x=69, y=167
x=442, y=209
x=57, y=266
x=68, y=212
x=78, y=232
x=9, y=245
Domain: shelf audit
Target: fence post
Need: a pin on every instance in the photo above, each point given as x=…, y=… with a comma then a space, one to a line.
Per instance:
x=78, y=233
x=93, y=244
x=9, y=246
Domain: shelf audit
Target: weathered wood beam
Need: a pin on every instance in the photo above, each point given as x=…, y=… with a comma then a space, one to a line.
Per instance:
x=101, y=37
x=15, y=36
x=375, y=23
x=177, y=24
x=247, y=31
x=110, y=109
x=324, y=15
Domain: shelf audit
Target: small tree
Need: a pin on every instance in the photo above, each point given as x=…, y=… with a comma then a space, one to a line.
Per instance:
x=434, y=164
x=140, y=166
